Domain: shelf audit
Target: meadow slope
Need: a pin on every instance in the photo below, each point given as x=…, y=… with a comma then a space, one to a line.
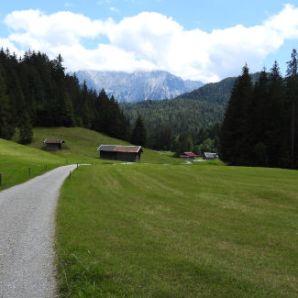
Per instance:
x=81, y=145
x=19, y=163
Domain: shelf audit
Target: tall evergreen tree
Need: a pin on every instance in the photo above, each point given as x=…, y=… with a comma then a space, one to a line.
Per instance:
x=138, y=136
x=25, y=129
x=292, y=108
x=234, y=149
x=275, y=117
x=259, y=120
x=6, y=122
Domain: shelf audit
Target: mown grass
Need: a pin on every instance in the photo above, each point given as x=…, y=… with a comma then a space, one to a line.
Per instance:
x=19, y=163
x=146, y=230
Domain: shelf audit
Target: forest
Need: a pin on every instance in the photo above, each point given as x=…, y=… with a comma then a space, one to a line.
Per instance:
x=36, y=91
x=260, y=126
x=174, y=122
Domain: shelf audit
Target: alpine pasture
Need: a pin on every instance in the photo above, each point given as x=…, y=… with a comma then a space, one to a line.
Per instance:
x=164, y=228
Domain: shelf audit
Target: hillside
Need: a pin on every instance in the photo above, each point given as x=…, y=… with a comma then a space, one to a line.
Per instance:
x=81, y=145
x=219, y=92
x=19, y=163
x=137, y=86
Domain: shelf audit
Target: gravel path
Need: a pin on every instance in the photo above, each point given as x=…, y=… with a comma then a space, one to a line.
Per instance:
x=27, y=216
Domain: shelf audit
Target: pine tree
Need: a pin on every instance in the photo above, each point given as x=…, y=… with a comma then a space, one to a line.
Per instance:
x=139, y=133
x=259, y=121
x=25, y=128
x=6, y=124
x=66, y=111
x=292, y=110
x=85, y=107
x=275, y=117
x=234, y=149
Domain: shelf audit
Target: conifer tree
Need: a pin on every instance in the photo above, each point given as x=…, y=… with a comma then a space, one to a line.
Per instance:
x=275, y=117
x=6, y=125
x=259, y=121
x=25, y=129
x=234, y=149
x=138, y=136
x=292, y=108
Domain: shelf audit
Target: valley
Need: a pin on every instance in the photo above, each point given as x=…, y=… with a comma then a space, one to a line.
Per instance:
x=164, y=228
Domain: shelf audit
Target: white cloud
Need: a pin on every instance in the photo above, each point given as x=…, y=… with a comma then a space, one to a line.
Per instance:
x=5, y=43
x=149, y=41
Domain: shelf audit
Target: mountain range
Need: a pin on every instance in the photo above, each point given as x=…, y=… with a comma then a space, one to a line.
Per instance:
x=138, y=86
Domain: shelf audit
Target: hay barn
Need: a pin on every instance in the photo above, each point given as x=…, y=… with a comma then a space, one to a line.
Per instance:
x=120, y=152
x=53, y=144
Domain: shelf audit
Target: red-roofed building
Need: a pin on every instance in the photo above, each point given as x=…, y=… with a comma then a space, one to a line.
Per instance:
x=188, y=155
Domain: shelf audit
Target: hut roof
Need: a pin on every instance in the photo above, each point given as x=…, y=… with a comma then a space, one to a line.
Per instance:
x=210, y=155
x=53, y=141
x=189, y=154
x=120, y=148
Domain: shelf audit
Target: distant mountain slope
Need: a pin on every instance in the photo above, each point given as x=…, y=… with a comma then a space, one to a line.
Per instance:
x=138, y=86
x=187, y=113
x=219, y=92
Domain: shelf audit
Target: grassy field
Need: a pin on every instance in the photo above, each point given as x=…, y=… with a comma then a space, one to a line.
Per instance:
x=19, y=163
x=163, y=228
x=149, y=230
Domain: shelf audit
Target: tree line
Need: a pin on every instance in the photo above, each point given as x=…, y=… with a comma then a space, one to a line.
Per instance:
x=178, y=124
x=36, y=91
x=260, y=126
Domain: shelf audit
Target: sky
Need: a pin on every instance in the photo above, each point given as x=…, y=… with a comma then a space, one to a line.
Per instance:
x=193, y=39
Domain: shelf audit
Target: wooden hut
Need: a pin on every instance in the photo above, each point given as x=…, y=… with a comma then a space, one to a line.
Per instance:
x=53, y=144
x=210, y=155
x=120, y=152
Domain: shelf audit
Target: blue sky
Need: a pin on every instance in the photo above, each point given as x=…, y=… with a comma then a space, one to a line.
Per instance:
x=204, y=40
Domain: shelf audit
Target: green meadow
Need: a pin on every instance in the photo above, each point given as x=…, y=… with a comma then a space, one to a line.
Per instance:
x=164, y=228
x=155, y=230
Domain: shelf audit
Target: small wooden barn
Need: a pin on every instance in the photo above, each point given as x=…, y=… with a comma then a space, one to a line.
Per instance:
x=120, y=152
x=53, y=144
x=210, y=155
